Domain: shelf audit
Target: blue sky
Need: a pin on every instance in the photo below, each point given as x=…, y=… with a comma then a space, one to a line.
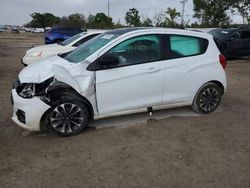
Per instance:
x=17, y=11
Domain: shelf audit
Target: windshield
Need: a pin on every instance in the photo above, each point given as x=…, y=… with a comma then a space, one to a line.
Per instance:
x=220, y=34
x=89, y=47
x=71, y=39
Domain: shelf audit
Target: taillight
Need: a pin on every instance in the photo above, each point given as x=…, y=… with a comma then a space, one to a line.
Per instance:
x=223, y=61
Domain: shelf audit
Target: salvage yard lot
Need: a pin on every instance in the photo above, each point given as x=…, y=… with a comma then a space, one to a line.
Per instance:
x=197, y=151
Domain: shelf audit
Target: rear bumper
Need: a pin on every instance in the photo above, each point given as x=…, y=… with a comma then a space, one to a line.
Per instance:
x=33, y=110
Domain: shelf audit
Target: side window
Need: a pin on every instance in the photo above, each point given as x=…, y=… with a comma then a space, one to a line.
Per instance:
x=137, y=50
x=184, y=46
x=235, y=36
x=245, y=34
x=85, y=39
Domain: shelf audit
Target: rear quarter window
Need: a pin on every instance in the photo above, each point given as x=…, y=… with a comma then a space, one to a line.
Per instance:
x=185, y=46
x=245, y=34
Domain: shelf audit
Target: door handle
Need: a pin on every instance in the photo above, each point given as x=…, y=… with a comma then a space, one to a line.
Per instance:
x=153, y=69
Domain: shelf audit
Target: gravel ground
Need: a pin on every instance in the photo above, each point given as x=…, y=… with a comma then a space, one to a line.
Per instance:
x=170, y=151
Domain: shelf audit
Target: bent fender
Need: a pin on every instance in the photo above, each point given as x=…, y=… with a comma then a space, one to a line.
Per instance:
x=81, y=81
x=63, y=75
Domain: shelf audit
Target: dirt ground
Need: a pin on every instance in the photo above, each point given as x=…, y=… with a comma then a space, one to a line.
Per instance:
x=191, y=151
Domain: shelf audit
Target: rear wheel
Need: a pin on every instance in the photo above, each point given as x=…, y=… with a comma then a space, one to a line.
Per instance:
x=68, y=117
x=207, y=98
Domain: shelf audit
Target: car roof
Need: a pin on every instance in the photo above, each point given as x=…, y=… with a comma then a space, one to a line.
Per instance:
x=121, y=31
x=95, y=31
x=157, y=30
x=231, y=29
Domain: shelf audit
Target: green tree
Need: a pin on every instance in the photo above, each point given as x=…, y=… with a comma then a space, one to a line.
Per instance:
x=100, y=21
x=171, y=18
x=211, y=13
x=43, y=20
x=73, y=20
x=118, y=25
x=77, y=19
x=147, y=22
x=132, y=18
x=103, y=21
x=159, y=19
x=90, y=21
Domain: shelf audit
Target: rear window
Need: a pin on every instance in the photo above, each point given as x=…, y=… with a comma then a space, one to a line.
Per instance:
x=184, y=46
x=245, y=34
x=220, y=34
x=71, y=39
x=85, y=39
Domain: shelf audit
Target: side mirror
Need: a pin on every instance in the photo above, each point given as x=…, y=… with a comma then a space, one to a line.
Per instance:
x=108, y=62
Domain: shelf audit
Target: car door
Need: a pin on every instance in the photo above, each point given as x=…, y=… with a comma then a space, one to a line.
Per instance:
x=137, y=81
x=245, y=43
x=234, y=44
x=239, y=43
x=185, y=70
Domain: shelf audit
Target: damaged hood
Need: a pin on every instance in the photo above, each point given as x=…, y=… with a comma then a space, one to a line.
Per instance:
x=40, y=70
x=73, y=74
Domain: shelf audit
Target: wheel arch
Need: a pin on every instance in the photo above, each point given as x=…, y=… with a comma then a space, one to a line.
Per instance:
x=218, y=83
x=196, y=107
x=62, y=92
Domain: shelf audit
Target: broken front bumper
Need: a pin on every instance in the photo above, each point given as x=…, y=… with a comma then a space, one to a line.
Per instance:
x=27, y=113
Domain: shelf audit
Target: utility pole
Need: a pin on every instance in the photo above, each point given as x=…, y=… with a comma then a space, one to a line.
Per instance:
x=183, y=11
x=108, y=9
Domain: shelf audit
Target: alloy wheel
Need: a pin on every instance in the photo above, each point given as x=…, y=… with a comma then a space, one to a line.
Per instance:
x=209, y=100
x=67, y=118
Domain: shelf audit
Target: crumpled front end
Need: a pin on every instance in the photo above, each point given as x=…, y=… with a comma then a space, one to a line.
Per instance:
x=35, y=94
x=27, y=113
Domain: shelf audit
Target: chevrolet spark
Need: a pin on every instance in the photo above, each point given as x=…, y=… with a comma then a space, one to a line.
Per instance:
x=120, y=72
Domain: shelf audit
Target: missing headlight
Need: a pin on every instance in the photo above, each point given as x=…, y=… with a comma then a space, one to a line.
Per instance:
x=26, y=91
x=41, y=88
x=29, y=90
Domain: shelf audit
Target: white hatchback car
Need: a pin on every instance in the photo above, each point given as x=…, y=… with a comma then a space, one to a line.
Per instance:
x=43, y=51
x=120, y=72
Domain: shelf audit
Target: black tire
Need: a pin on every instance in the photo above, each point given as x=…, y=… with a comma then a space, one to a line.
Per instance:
x=68, y=117
x=207, y=98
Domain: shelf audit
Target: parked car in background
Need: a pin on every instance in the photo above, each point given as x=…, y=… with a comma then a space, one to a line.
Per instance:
x=57, y=35
x=43, y=51
x=120, y=72
x=232, y=42
x=37, y=30
x=15, y=29
x=1, y=28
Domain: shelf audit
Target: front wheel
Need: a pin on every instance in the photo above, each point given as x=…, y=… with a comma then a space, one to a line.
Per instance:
x=207, y=98
x=68, y=117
